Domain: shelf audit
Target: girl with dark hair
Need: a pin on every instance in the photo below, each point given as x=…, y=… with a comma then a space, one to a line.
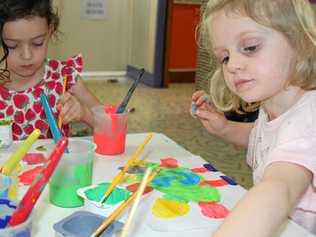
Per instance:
x=26, y=26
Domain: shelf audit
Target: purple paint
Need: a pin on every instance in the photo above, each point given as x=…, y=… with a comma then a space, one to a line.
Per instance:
x=210, y=167
x=228, y=180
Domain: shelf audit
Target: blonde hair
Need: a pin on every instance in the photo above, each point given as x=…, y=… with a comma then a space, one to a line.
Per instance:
x=293, y=18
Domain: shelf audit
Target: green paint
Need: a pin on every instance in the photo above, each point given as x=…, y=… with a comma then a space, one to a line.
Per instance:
x=65, y=182
x=196, y=193
x=117, y=195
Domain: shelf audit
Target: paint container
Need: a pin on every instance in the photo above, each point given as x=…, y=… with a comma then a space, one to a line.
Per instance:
x=110, y=130
x=93, y=194
x=74, y=171
x=8, y=187
x=5, y=133
x=83, y=224
x=22, y=230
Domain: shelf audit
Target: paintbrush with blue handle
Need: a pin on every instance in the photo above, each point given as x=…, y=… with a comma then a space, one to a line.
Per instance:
x=124, y=103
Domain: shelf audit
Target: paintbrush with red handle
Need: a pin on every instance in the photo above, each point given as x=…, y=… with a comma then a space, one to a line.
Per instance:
x=26, y=205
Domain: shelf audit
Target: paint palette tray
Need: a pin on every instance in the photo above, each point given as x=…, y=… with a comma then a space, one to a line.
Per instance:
x=88, y=223
x=92, y=195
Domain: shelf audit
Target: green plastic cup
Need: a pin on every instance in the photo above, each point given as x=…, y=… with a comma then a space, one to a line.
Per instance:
x=73, y=171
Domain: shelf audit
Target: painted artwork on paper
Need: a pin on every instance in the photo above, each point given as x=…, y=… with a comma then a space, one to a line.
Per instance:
x=177, y=194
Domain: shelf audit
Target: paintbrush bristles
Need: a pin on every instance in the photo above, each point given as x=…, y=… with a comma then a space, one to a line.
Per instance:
x=139, y=194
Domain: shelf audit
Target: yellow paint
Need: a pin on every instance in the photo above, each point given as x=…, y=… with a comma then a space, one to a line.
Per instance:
x=169, y=209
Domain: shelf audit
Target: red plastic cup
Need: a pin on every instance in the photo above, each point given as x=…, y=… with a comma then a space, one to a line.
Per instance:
x=110, y=130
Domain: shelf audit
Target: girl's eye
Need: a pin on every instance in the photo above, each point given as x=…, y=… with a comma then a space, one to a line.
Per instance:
x=11, y=47
x=250, y=49
x=225, y=60
x=38, y=44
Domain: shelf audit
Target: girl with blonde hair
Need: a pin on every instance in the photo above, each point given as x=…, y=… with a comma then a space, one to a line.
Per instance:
x=266, y=59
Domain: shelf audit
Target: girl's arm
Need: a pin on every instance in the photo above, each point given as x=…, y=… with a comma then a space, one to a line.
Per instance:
x=216, y=123
x=77, y=103
x=268, y=204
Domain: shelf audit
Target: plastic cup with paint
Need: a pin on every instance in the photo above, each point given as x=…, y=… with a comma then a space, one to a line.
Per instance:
x=8, y=187
x=88, y=223
x=110, y=130
x=74, y=171
x=24, y=229
x=5, y=133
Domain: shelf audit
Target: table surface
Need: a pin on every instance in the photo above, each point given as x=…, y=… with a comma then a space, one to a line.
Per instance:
x=106, y=167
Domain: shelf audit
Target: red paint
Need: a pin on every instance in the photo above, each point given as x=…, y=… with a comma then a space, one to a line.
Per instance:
x=199, y=170
x=112, y=142
x=215, y=183
x=27, y=177
x=213, y=210
x=169, y=162
x=133, y=188
x=34, y=158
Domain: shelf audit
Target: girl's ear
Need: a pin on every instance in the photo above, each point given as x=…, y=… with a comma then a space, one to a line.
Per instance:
x=51, y=30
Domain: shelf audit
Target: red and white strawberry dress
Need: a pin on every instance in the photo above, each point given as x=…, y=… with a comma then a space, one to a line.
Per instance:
x=25, y=109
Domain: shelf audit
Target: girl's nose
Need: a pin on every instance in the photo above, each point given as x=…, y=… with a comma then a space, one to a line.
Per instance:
x=235, y=63
x=26, y=52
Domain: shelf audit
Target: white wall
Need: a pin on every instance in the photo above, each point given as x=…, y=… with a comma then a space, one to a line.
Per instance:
x=126, y=37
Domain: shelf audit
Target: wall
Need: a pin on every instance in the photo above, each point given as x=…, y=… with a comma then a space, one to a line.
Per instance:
x=143, y=33
x=125, y=37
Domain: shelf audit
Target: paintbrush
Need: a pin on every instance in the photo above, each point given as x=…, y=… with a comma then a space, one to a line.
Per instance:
x=15, y=158
x=139, y=194
x=60, y=121
x=31, y=196
x=120, y=208
x=129, y=94
x=121, y=174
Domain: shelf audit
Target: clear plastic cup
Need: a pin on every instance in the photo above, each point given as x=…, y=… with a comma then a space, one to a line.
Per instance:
x=73, y=171
x=110, y=130
x=5, y=133
x=8, y=187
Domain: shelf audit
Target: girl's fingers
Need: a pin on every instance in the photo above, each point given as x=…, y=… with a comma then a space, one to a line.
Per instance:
x=196, y=95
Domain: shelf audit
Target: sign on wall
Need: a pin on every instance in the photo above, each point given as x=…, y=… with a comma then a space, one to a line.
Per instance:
x=94, y=9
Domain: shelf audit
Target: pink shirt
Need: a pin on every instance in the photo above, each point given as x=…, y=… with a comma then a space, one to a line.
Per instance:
x=290, y=138
x=25, y=109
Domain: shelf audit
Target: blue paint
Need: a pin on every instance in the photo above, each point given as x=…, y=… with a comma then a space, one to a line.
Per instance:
x=210, y=167
x=83, y=224
x=228, y=180
x=7, y=208
x=169, y=175
x=194, y=108
x=162, y=181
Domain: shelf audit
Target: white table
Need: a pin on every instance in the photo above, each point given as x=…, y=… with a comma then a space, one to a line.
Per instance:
x=105, y=168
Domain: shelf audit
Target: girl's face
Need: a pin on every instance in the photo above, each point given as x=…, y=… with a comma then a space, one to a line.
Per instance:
x=257, y=61
x=27, y=41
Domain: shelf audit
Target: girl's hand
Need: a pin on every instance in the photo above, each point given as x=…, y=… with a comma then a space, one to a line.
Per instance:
x=215, y=122
x=70, y=109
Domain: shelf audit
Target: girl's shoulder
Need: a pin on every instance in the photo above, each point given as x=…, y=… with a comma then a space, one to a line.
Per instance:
x=298, y=122
x=72, y=67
